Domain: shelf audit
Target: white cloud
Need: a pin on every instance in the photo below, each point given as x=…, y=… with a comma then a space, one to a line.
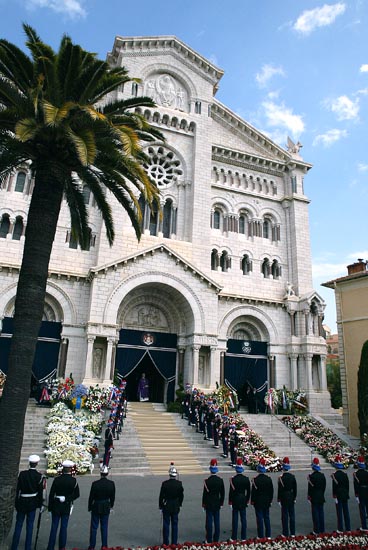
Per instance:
x=362, y=167
x=72, y=8
x=327, y=271
x=283, y=118
x=310, y=20
x=364, y=68
x=330, y=137
x=344, y=107
x=266, y=73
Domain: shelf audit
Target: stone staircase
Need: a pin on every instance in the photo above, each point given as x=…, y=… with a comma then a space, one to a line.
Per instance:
x=34, y=435
x=283, y=441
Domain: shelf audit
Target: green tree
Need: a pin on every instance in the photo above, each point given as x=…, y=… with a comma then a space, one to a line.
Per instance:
x=334, y=382
x=363, y=390
x=58, y=113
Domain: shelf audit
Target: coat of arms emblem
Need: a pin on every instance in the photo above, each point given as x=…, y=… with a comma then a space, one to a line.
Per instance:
x=246, y=347
x=148, y=339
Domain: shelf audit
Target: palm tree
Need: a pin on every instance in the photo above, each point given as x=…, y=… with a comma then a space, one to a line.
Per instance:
x=58, y=114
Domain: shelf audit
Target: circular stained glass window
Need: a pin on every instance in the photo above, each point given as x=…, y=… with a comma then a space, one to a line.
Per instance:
x=163, y=166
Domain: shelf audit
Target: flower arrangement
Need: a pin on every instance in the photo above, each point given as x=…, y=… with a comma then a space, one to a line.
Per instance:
x=328, y=541
x=97, y=398
x=72, y=437
x=324, y=440
x=226, y=399
x=271, y=399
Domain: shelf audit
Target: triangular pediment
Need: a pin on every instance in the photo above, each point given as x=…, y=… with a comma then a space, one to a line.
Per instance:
x=151, y=251
x=162, y=46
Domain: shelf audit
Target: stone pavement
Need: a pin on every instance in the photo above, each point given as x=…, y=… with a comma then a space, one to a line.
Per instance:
x=136, y=520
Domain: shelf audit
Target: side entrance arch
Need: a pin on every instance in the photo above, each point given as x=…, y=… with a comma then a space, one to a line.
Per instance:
x=245, y=369
x=152, y=353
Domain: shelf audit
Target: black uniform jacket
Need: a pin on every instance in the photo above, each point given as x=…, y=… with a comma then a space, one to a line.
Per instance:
x=316, y=487
x=101, y=496
x=65, y=486
x=171, y=496
x=361, y=484
x=30, y=482
x=286, y=488
x=239, y=492
x=262, y=491
x=340, y=485
x=213, y=493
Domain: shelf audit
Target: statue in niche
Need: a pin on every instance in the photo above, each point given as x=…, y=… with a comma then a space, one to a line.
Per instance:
x=166, y=89
x=97, y=363
x=201, y=368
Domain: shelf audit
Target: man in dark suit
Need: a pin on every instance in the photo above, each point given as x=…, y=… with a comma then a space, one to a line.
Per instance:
x=100, y=503
x=170, y=501
x=261, y=498
x=316, y=496
x=212, y=500
x=239, y=494
x=28, y=499
x=286, y=496
x=361, y=490
x=64, y=490
x=340, y=493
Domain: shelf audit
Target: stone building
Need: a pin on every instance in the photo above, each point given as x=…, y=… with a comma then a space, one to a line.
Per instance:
x=219, y=287
x=351, y=297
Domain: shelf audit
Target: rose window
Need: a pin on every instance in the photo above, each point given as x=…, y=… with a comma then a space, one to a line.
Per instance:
x=163, y=166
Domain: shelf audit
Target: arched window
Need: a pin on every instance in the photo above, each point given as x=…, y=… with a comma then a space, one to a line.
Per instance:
x=142, y=206
x=167, y=223
x=20, y=183
x=225, y=261
x=198, y=107
x=214, y=260
x=86, y=194
x=265, y=268
x=134, y=89
x=153, y=219
x=246, y=264
x=266, y=229
x=243, y=223
x=4, y=226
x=18, y=228
x=276, y=269
x=217, y=219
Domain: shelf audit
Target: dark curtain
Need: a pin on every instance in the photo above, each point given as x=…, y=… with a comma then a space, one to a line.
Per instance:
x=47, y=350
x=245, y=366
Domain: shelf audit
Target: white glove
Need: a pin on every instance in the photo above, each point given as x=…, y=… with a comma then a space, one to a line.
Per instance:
x=336, y=501
x=357, y=499
x=279, y=504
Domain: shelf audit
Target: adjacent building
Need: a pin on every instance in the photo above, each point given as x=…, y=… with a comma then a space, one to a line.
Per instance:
x=351, y=296
x=219, y=287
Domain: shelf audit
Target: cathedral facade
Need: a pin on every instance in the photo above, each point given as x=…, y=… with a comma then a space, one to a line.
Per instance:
x=219, y=288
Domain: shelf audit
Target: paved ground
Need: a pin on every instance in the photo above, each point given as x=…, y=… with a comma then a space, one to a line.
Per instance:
x=136, y=518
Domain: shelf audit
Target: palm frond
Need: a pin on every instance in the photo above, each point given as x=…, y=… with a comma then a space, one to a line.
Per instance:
x=15, y=65
x=26, y=129
x=84, y=145
x=78, y=211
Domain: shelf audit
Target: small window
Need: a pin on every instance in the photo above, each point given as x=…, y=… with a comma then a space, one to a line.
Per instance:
x=214, y=259
x=153, y=219
x=242, y=224
x=276, y=269
x=167, y=220
x=73, y=242
x=198, y=107
x=265, y=268
x=134, y=89
x=20, y=183
x=293, y=184
x=216, y=219
x=4, y=226
x=18, y=228
x=225, y=261
x=266, y=229
x=246, y=265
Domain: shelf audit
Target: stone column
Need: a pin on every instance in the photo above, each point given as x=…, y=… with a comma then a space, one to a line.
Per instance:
x=89, y=359
x=271, y=371
x=195, y=350
x=222, y=368
x=63, y=357
x=180, y=373
x=109, y=352
x=322, y=372
x=293, y=371
x=213, y=372
x=308, y=370
x=292, y=323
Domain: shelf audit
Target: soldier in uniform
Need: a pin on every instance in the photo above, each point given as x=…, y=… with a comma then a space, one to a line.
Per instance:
x=212, y=500
x=28, y=498
x=100, y=503
x=316, y=496
x=286, y=496
x=261, y=498
x=225, y=436
x=64, y=490
x=234, y=441
x=361, y=490
x=170, y=501
x=340, y=493
x=109, y=442
x=239, y=494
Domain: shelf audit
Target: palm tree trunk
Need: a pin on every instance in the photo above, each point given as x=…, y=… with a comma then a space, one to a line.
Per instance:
x=41, y=227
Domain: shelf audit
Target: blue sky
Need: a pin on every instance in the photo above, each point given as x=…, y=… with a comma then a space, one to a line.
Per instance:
x=292, y=67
